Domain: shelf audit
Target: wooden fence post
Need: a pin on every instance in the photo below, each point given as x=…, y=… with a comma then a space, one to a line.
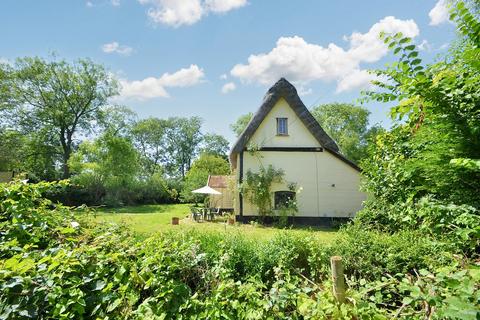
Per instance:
x=338, y=278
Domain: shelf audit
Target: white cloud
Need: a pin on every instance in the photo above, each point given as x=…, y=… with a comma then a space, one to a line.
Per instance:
x=228, y=87
x=224, y=76
x=302, y=91
x=221, y=6
x=89, y=4
x=369, y=48
x=425, y=46
x=176, y=13
x=115, y=3
x=439, y=14
x=357, y=79
x=152, y=87
x=115, y=47
x=302, y=62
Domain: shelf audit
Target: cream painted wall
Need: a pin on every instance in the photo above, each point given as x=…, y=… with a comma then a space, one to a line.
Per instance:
x=313, y=172
x=298, y=134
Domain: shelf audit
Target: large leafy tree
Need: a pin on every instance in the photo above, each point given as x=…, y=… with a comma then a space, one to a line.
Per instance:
x=241, y=123
x=347, y=124
x=215, y=144
x=151, y=142
x=107, y=166
x=183, y=139
x=57, y=100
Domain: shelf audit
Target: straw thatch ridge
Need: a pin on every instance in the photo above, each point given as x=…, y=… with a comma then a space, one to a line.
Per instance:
x=284, y=89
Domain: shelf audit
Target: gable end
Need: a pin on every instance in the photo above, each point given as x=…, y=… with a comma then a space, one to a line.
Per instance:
x=284, y=89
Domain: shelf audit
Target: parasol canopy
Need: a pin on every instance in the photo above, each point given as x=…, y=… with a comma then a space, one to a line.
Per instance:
x=206, y=190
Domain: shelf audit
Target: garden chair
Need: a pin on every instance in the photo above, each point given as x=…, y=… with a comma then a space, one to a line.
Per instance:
x=196, y=213
x=214, y=212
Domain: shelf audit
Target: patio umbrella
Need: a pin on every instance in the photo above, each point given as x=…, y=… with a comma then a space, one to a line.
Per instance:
x=206, y=190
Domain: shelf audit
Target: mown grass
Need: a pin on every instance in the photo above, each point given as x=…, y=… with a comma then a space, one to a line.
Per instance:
x=146, y=220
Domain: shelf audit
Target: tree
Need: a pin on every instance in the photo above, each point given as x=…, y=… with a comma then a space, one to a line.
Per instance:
x=197, y=176
x=215, y=144
x=348, y=126
x=425, y=172
x=241, y=123
x=11, y=150
x=118, y=120
x=107, y=165
x=60, y=99
x=151, y=142
x=183, y=138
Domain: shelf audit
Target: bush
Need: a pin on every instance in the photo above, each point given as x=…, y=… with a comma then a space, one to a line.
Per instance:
x=51, y=268
x=87, y=190
x=459, y=224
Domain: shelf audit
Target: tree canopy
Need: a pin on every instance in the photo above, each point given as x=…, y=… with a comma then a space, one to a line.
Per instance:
x=215, y=144
x=55, y=100
x=241, y=123
x=347, y=124
x=425, y=172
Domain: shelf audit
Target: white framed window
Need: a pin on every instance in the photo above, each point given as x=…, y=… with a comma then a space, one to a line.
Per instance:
x=282, y=126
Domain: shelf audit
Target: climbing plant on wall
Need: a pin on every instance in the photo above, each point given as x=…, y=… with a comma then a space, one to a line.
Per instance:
x=257, y=188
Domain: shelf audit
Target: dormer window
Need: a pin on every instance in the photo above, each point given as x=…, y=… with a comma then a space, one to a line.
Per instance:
x=282, y=126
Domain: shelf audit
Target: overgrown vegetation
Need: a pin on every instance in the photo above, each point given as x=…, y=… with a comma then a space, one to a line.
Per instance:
x=424, y=173
x=54, y=266
x=348, y=126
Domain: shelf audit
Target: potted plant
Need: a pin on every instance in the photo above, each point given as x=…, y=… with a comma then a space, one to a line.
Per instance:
x=231, y=219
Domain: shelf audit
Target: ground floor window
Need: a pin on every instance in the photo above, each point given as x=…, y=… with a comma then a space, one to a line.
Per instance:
x=282, y=198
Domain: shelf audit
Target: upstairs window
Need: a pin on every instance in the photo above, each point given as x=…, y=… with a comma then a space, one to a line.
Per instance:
x=282, y=198
x=282, y=127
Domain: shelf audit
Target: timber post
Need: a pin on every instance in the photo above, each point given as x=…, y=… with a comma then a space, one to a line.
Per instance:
x=338, y=278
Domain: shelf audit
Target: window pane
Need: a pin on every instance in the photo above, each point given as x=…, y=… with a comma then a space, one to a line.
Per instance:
x=282, y=126
x=282, y=198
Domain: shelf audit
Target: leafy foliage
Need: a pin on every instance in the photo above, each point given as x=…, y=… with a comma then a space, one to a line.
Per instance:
x=257, y=187
x=54, y=267
x=348, y=126
x=58, y=99
x=215, y=144
x=423, y=174
x=241, y=123
x=149, y=139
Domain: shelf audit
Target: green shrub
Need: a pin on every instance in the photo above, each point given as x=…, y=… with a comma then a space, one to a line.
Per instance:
x=371, y=254
x=50, y=269
x=27, y=219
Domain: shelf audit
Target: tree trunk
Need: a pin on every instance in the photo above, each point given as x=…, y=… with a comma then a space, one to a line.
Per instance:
x=67, y=152
x=65, y=167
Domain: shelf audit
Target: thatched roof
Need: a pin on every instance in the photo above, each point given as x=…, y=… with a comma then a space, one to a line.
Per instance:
x=284, y=89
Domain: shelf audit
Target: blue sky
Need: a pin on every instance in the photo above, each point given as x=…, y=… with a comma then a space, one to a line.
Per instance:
x=174, y=57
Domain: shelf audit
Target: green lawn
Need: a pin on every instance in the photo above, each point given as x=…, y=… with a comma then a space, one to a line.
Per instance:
x=148, y=219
